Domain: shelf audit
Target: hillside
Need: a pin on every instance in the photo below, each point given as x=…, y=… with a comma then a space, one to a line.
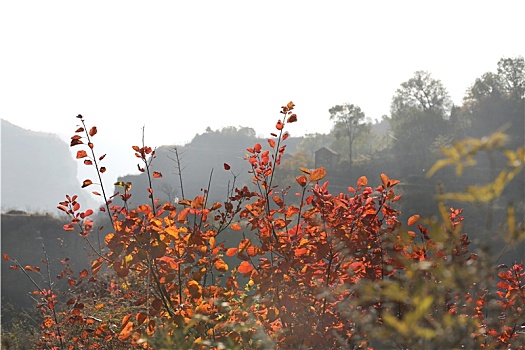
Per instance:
x=37, y=170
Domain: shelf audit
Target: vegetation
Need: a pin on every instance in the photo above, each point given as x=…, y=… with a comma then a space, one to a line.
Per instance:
x=326, y=270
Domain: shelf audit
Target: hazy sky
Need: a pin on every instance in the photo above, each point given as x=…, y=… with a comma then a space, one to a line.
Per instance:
x=177, y=67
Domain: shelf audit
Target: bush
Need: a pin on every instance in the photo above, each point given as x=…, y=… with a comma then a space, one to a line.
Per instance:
x=334, y=271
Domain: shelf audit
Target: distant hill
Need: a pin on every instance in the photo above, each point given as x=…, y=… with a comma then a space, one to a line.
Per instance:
x=37, y=170
x=205, y=152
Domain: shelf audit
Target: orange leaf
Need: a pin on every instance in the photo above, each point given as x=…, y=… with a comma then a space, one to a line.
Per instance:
x=257, y=148
x=86, y=183
x=305, y=170
x=220, y=265
x=300, y=251
x=413, y=219
x=49, y=322
x=126, y=331
x=93, y=131
x=362, y=181
x=81, y=154
x=252, y=250
x=278, y=201
x=317, y=174
x=151, y=327
x=385, y=180
x=271, y=143
x=99, y=306
x=194, y=288
x=126, y=319
x=157, y=175
x=182, y=215
x=229, y=251
x=236, y=227
x=285, y=136
x=198, y=202
x=245, y=267
x=279, y=125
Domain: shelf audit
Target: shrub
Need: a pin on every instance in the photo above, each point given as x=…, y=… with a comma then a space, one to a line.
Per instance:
x=333, y=271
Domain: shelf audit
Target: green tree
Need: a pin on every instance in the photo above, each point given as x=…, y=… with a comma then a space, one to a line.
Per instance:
x=497, y=99
x=511, y=72
x=349, y=123
x=420, y=111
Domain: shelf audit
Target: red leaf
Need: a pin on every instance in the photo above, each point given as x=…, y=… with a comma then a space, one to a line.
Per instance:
x=245, y=267
x=96, y=193
x=6, y=257
x=75, y=142
x=76, y=206
x=86, y=183
x=285, y=136
x=271, y=143
x=86, y=213
x=236, y=227
x=93, y=131
x=79, y=129
x=279, y=125
x=257, y=148
x=102, y=157
x=103, y=169
x=68, y=227
x=81, y=154
x=157, y=175
x=226, y=166
x=83, y=273
x=301, y=180
x=88, y=162
x=141, y=317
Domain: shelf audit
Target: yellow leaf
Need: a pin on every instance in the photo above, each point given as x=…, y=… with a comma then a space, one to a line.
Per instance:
x=317, y=174
x=173, y=232
x=305, y=170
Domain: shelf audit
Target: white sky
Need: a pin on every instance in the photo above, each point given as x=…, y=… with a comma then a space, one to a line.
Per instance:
x=177, y=67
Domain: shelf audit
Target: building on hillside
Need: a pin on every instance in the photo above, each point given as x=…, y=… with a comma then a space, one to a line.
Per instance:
x=326, y=157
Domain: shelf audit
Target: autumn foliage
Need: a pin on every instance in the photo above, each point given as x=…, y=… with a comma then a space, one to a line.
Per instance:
x=335, y=271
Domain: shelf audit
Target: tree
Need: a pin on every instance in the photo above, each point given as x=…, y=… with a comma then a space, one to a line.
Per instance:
x=349, y=123
x=511, y=72
x=420, y=111
x=422, y=93
x=496, y=99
